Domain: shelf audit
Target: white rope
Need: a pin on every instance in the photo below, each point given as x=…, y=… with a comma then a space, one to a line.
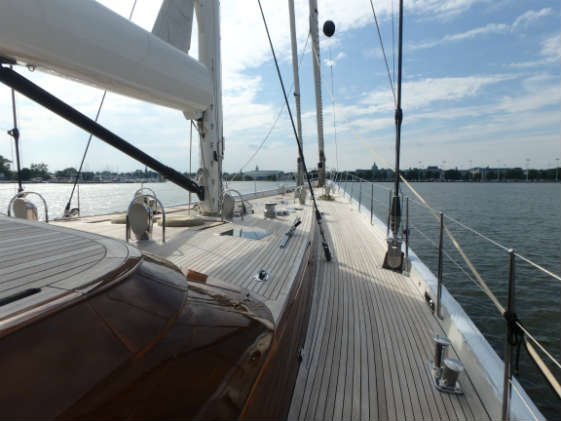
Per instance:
x=515, y=388
x=538, y=344
x=538, y=266
x=495, y=243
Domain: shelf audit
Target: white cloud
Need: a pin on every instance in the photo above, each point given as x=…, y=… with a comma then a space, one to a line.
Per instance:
x=550, y=52
x=491, y=28
x=424, y=92
x=530, y=16
x=334, y=60
x=551, y=47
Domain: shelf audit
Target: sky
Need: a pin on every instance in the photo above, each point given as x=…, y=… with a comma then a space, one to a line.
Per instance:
x=481, y=87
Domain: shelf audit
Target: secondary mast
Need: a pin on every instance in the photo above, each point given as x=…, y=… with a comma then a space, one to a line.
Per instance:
x=300, y=173
x=394, y=256
x=317, y=81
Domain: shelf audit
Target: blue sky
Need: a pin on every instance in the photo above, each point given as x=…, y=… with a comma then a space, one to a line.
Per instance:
x=481, y=87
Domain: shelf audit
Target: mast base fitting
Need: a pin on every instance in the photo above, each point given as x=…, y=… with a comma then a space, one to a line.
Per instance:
x=394, y=256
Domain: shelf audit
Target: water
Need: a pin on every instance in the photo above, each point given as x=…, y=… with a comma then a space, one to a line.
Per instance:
x=526, y=217
x=106, y=197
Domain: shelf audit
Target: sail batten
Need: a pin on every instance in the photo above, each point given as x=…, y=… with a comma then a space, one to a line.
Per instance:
x=86, y=41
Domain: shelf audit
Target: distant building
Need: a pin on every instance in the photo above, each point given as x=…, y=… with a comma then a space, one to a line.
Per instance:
x=263, y=174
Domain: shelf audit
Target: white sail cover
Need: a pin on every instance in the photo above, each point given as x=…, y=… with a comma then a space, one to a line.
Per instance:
x=174, y=23
x=86, y=41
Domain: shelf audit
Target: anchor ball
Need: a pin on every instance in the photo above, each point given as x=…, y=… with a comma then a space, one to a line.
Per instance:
x=328, y=28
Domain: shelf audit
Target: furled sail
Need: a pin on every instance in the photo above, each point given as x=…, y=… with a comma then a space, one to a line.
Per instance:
x=86, y=41
x=174, y=23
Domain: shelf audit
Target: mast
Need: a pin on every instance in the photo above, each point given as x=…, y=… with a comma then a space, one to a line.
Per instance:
x=317, y=81
x=15, y=134
x=394, y=257
x=210, y=124
x=300, y=174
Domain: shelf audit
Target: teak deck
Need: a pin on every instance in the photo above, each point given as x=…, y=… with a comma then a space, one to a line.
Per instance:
x=370, y=333
x=370, y=337
x=230, y=259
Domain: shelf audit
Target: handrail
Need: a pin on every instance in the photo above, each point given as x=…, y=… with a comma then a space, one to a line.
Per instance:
x=24, y=194
x=484, y=287
x=244, y=207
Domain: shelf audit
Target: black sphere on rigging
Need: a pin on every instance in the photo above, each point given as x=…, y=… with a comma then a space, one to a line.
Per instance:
x=328, y=28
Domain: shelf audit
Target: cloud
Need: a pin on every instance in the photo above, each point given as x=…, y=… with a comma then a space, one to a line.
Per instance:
x=421, y=93
x=530, y=16
x=334, y=60
x=550, y=52
x=491, y=28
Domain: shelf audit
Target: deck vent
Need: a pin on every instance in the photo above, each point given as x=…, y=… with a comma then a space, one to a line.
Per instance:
x=18, y=296
x=270, y=210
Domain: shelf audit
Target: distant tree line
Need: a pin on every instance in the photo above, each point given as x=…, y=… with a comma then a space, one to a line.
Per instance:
x=41, y=171
x=470, y=175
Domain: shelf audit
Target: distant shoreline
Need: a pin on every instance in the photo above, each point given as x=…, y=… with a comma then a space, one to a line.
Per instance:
x=81, y=182
x=273, y=181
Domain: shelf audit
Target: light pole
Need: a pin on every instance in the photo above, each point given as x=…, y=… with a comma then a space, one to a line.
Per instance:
x=527, y=169
x=557, y=170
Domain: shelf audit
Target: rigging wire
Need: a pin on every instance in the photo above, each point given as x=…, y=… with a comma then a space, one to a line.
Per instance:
x=325, y=246
x=67, y=207
x=281, y=109
x=393, y=39
x=383, y=53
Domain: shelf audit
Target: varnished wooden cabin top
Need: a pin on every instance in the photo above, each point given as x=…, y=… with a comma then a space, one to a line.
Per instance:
x=50, y=262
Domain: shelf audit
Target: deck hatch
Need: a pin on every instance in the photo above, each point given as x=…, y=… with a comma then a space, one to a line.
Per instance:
x=243, y=233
